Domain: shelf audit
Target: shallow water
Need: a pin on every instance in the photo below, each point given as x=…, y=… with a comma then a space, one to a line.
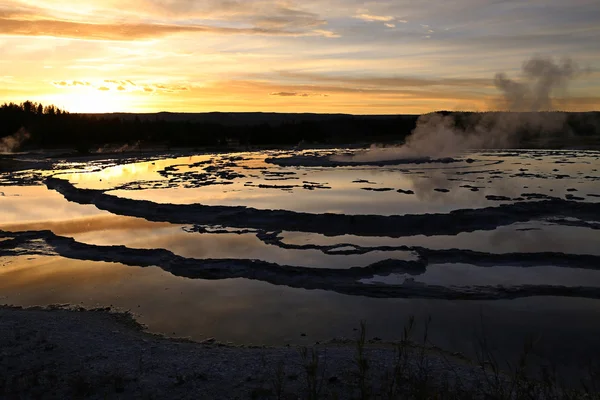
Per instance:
x=530, y=237
x=248, y=311
x=521, y=246
x=348, y=190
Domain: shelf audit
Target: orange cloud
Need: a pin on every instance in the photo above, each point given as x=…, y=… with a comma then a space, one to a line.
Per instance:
x=296, y=94
x=123, y=86
x=372, y=18
x=132, y=31
x=70, y=83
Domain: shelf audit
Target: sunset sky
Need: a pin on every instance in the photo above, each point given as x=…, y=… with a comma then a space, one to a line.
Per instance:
x=362, y=57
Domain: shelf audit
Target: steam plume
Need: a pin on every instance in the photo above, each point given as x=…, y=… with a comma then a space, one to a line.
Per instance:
x=10, y=144
x=438, y=135
x=542, y=76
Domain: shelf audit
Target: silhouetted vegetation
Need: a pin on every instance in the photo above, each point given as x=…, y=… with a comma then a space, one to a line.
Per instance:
x=51, y=127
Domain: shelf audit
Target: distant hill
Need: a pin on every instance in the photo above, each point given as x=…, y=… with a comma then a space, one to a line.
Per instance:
x=247, y=118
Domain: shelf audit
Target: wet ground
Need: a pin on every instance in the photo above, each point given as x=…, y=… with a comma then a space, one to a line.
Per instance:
x=297, y=247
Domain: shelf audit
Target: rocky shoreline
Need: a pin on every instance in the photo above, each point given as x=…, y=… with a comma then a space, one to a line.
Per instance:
x=58, y=352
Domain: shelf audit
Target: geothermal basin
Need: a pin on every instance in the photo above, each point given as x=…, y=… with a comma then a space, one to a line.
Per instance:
x=296, y=247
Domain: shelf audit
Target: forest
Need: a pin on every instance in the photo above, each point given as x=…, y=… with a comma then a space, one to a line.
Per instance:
x=50, y=127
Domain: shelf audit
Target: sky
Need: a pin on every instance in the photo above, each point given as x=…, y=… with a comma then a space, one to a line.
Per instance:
x=333, y=56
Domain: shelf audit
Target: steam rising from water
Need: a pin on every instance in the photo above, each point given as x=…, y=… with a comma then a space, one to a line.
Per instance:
x=438, y=135
x=10, y=144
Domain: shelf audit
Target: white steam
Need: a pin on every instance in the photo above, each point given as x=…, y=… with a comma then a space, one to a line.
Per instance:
x=541, y=77
x=12, y=143
x=438, y=135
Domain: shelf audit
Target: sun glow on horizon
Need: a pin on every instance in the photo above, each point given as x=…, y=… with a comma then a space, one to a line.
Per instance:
x=89, y=100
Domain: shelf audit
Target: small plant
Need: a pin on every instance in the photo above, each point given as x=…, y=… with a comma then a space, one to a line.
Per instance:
x=310, y=363
x=362, y=363
x=393, y=381
x=278, y=380
x=420, y=379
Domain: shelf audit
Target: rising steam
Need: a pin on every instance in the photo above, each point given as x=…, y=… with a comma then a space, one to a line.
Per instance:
x=438, y=135
x=542, y=76
x=10, y=144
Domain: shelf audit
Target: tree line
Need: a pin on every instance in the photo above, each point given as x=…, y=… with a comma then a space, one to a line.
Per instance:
x=50, y=127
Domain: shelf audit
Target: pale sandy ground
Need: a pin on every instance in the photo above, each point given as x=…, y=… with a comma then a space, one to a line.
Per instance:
x=59, y=353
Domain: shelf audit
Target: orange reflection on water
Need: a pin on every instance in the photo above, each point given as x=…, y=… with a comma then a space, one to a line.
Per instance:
x=26, y=204
x=86, y=224
x=126, y=173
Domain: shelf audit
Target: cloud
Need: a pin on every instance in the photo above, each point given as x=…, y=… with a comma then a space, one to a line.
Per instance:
x=142, y=19
x=184, y=45
x=325, y=33
x=169, y=88
x=123, y=85
x=133, y=31
x=288, y=19
x=289, y=94
x=270, y=14
x=70, y=83
x=297, y=94
x=388, y=81
x=373, y=18
x=291, y=90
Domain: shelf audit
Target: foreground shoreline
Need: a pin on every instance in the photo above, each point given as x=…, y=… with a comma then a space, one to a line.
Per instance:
x=58, y=352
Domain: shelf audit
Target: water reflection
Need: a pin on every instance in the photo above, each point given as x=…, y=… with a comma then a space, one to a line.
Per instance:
x=28, y=204
x=530, y=237
x=436, y=188
x=116, y=175
x=245, y=311
x=470, y=275
x=237, y=246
